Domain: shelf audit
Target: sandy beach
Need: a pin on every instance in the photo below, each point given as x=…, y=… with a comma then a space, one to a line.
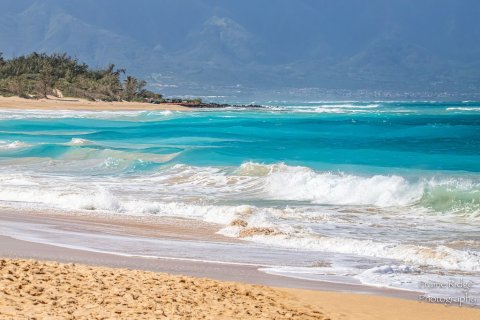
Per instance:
x=84, y=285
x=81, y=104
x=68, y=291
x=31, y=289
x=239, y=160
x=93, y=265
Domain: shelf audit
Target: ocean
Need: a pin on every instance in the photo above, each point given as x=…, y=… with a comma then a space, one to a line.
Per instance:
x=380, y=193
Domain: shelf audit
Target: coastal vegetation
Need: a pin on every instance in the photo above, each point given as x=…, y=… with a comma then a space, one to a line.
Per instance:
x=39, y=75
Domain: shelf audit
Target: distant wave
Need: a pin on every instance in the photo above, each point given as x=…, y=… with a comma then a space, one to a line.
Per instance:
x=325, y=108
x=81, y=156
x=464, y=109
x=12, y=114
x=13, y=145
x=94, y=153
x=79, y=142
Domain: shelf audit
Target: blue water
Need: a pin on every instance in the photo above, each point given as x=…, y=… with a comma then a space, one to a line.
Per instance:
x=384, y=180
x=390, y=137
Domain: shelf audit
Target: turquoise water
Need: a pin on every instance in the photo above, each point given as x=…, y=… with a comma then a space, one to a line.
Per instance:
x=392, y=136
x=394, y=181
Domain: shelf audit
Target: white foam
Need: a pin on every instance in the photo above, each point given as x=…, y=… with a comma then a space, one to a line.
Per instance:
x=79, y=142
x=411, y=278
x=198, y=192
x=297, y=183
x=15, y=180
x=439, y=256
x=393, y=269
x=13, y=114
x=304, y=184
x=337, y=274
x=463, y=109
x=254, y=181
x=13, y=145
x=325, y=108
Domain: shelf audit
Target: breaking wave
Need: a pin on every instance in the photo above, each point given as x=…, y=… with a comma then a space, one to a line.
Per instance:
x=79, y=142
x=13, y=145
x=254, y=223
x=187, y=191
x=297, y=183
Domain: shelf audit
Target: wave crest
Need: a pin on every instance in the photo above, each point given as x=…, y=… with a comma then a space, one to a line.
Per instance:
x=304, y=184
x=297, y=183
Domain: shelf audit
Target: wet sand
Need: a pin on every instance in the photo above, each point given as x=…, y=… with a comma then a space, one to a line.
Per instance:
x=82, y=104
x=154, y=228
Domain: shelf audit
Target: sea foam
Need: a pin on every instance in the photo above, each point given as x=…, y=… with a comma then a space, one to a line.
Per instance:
x=13, y=145
x=206, y=193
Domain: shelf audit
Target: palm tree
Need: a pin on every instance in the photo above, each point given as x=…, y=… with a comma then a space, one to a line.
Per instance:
x=130, y=87
x=45, y=80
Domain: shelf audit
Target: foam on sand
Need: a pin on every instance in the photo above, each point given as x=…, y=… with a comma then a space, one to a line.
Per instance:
x=339, y=213
x=439, y=256
x=265, y=225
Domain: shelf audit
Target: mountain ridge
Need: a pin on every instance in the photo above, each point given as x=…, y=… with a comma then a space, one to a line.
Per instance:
x=211, y=45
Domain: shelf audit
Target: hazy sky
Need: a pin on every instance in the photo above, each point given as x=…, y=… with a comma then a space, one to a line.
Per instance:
x=341, y=44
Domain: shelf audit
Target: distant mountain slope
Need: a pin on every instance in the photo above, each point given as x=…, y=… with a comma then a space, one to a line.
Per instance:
x=213, y=45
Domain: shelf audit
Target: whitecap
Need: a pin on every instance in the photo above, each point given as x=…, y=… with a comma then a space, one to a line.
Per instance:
x=79, y=142
x=13, y=145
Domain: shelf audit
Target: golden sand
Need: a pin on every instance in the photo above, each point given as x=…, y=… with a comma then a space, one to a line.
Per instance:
x=82, y=104
x=31, y=289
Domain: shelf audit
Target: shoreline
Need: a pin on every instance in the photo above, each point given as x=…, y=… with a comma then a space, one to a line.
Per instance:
x=74, y=104
x=326, y=304
x=336, y=301
x=176, y=230
x=78, y=104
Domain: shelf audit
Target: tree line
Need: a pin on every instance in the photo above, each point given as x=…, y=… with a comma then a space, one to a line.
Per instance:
x=38, y=75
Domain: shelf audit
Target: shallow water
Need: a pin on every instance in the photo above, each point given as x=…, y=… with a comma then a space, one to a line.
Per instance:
x=395, y=184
